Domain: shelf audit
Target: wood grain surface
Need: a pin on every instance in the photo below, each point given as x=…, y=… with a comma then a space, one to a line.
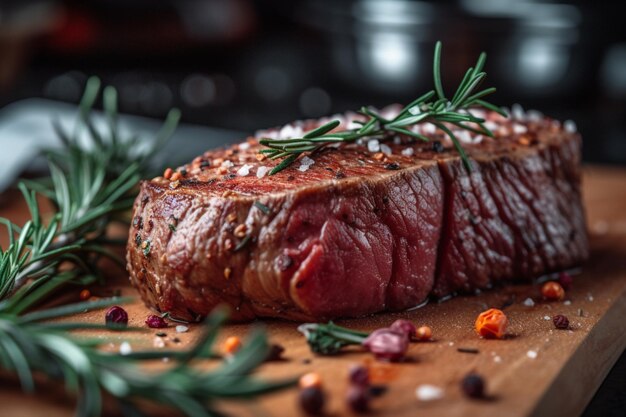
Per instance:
x=568, y=368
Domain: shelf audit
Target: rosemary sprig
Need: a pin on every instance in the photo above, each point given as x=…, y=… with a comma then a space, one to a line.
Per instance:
x=91, y=184
x=27, y=345
x=433, y=107
x=90, y=187
x=329, y=339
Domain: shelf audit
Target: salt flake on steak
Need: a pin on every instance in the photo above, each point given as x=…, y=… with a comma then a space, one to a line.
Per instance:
x=261, y=171
x=244, y=170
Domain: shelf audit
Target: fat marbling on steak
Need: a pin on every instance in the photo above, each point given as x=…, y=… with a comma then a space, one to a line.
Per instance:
x=360, y=228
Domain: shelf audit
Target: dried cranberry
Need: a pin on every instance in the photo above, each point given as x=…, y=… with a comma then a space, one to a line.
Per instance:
x=359, y=375
x=387, y=344
x=473, y=386
x=116, y=316
x=405, y=327
x=561, y=322
x=358, y=398
x=312, y=400
x=156, y=322
x=566, y=281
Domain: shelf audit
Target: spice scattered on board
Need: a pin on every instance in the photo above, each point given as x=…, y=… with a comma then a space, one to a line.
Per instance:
x=491, y=324
x=473, y=385
x=427, y=392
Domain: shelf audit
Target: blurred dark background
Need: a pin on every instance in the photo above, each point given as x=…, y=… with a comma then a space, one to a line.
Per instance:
x=249, y=64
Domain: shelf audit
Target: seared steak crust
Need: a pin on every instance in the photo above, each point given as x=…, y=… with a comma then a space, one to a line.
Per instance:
x=358, y=232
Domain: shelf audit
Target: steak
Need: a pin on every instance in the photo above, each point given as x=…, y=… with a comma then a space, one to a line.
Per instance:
x=359, y=228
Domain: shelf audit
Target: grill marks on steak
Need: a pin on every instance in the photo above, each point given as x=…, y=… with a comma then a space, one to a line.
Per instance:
x=327, y=245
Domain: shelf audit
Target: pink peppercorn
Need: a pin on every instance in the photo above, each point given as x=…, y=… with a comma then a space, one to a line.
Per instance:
x=404, y=326
x=116, y=316
x=387, y=344
x=156, y=322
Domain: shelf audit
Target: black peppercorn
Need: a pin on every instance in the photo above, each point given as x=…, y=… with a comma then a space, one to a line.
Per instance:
x=438, y=147
x=560, y=322
x=312, y=400
x=473, y=386
x=358, y=398
x=392, y=166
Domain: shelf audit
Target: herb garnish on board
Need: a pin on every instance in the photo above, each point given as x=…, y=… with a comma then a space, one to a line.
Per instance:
x=433, y=107
x=91, y=187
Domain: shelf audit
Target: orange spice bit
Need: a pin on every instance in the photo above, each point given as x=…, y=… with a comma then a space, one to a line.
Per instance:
x=553, y=291
x=84, y=294
x=218, y=161
x=222, y=170
x=240, y=231
x=174, y=184
x=524, y=140
x=310, y=380
x=176, y=176
x=423, y=333
x=167, y=174
x=491, y=324
x=231, y=345
x=378, y=156
x=231, y=217
x=227, y=272
x=228, y=193
x=260, y=157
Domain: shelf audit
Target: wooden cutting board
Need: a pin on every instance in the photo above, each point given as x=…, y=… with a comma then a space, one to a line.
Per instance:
x=537, y=371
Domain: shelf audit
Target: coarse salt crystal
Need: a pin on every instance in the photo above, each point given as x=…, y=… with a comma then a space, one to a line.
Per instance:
x=546, y=318
x=307, y=161
x=261, y=171
x=397, y=140
x=517, y=111
x=415, y=110
x=385, y=149
x=518, y=129
x=158, y=342
x=373, y=145
x=289, y=131
x=567, y=303
x=244, y=146
x=589, y=297
x=532, y=354
x=303, y=168
x=491, y=125
x=497, y=359
x=429, y=128
x=463, y=136
x=244, y=170
x=529, y=302
x=227, y=164
x=181, y=329
x=125, y=348
x=427, y=392
x=534, y=115
x=570, y=126
x=408, y=151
